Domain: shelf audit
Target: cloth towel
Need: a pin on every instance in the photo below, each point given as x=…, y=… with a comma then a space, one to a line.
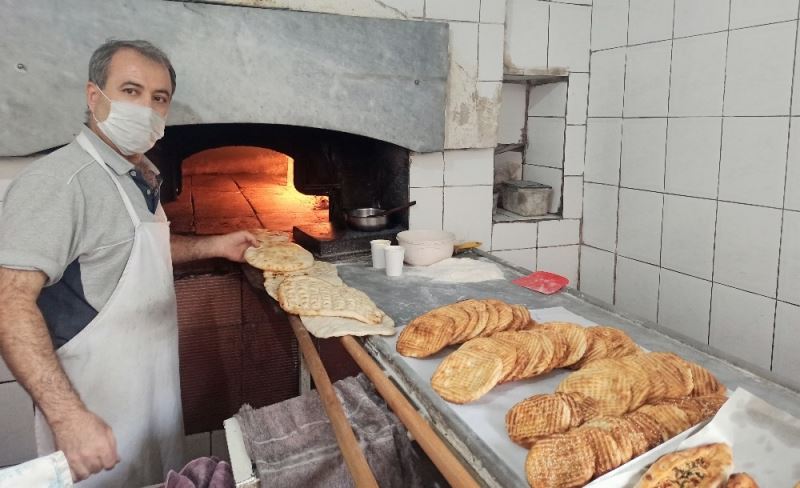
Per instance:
x=204, y=472
x=51, y=471
x=292, y=443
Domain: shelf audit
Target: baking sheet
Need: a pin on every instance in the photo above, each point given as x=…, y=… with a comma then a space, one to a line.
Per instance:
x=487, y=415
x=765, y=442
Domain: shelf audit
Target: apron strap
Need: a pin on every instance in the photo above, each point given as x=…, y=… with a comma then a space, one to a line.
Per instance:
x=87, y=146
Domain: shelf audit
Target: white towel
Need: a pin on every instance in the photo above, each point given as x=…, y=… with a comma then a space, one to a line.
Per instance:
x=50, y=471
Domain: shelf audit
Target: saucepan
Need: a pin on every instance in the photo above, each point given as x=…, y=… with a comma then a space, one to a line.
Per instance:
x=371, y=219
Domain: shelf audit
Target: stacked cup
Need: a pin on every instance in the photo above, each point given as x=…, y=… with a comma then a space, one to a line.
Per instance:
x=388, y=257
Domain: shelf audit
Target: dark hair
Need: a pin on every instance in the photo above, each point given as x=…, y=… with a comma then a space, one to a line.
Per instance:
x=101, y=58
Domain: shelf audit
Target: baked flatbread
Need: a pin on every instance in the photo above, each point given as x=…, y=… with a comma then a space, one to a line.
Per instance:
x=279, y=256
x=704, y=466
x=320, y=269
x=306, y=295
x=323, y=327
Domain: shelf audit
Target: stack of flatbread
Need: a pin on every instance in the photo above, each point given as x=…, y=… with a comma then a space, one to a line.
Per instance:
x=621, y=385
x=609, y=412
x=572, y=458
x=521, y=354
x=313, y=290
x=459, y=322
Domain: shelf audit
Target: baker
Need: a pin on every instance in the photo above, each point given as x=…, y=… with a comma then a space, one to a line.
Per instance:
x=87, y=306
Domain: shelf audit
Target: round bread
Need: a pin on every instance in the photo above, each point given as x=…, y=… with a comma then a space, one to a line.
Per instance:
x=279, y=256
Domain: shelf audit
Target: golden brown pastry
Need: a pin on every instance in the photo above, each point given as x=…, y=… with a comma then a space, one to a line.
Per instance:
x=741, y=480
x=704, y=466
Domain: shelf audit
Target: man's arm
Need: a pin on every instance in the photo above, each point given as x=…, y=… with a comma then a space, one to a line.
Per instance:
x=25, y=345
x=230, y=246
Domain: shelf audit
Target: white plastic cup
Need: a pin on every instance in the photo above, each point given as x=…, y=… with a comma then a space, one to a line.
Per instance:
x=378, y=256
x=394, y=260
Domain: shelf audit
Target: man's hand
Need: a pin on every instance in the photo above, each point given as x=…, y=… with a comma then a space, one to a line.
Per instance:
x=232, y=246
x=87, y=442
x=229, y=246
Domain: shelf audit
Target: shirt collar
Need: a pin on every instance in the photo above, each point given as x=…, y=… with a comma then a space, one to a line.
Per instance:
x=112, y=158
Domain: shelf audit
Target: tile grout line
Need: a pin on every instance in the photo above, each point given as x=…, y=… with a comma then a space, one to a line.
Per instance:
x=785, y=185
x=621, y=136
x=664, y=182
x=719, y=173
x=585, y=132
x=754, y=26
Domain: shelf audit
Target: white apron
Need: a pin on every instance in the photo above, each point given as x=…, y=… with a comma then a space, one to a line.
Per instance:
x=124, y=363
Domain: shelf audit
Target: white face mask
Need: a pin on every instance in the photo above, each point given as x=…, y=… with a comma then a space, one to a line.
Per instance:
x=133, y=128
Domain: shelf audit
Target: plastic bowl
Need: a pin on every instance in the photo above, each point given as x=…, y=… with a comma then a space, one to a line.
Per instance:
x=425, y=247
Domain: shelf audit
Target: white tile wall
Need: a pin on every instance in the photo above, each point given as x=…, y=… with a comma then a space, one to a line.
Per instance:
x=468, y=213
x=526, y=34
x=742, y=324
x=524, y=258
x=426, y=169
x=491, y=38
x=647, y=80
x=636, y=290
x=643, y=153
x=469, y=167
x=572, y=196
x=464, y=47
x=753, y=164
x=693, y=152
x=549, y=176
x=568, y=46
x=16, y=425
x=607, y=83
x=688, y=235
x=562, y=260
x=753, y=12
x=466, y=10
x=546, y=141
x=514, y=235
x=512, y=114
x=693, y=17
x=747, y=242
x=649, y=20
x=609, y=24
x=577, y=98
x=752, y=53
x=792, y=198
x=559, y=232
x=698, y=75
x=728, y=223
x=493, y=11
x=640, y=225
x=786, y=361
x=574, y=149
x=600, y=216
x=603, y=145
x=684, y=305
x=427, y=213
x=789, y=277
x=597, y=273
x=548, y=100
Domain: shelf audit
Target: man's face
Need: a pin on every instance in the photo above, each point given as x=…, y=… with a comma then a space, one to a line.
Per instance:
x=132, y=78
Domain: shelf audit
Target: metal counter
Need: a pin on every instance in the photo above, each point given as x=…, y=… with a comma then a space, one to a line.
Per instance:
x=406, y=297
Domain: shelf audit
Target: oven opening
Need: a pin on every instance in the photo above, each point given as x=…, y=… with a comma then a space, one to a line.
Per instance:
x=225, y=177
x=241, y=187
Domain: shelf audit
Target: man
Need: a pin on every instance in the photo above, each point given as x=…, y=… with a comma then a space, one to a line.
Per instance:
x=87, y=306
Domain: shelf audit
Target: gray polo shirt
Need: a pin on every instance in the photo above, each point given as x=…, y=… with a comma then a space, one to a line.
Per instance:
x=64, y=216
